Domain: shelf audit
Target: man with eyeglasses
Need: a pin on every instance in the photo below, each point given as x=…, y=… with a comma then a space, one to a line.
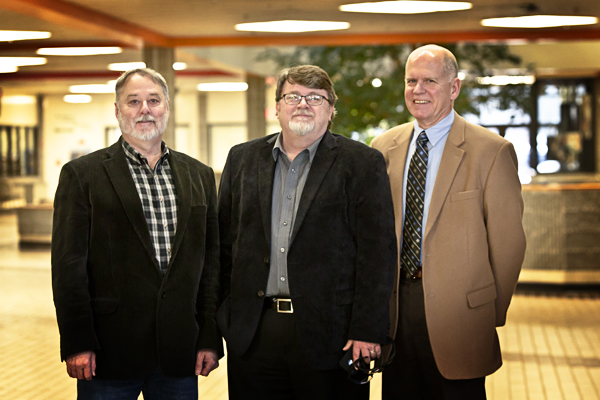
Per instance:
x=308, y=251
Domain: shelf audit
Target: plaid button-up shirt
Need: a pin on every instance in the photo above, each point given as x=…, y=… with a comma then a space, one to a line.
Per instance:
x=159, y=199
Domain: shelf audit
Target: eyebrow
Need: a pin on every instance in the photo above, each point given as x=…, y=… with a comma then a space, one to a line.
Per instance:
x=157, y=94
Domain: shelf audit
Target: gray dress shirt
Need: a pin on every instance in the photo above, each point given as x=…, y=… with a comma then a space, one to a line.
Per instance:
x=288, y=184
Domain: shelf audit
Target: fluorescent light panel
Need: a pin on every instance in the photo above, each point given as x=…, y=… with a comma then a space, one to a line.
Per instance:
x=12, y=64
x=539, y=21
x=94, y=88
x=292, y=26
x=502, y=80
x=78, y=51
x=9, y=36
x=77, y=98
x=126, y=66
x=223, y=87
x=18, y=100
x=178, y=66
x=406, y=7
x=22, y=61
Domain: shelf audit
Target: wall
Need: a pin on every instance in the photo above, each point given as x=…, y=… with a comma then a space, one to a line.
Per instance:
x=18, y=114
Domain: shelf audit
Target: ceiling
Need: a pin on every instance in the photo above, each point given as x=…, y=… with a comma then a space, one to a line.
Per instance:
x=203, y=35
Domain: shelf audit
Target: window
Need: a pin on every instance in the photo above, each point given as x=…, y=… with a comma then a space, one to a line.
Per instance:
x=18, y=151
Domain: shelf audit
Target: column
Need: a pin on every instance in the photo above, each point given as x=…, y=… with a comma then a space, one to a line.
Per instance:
x=161, y=59
x=255, y=106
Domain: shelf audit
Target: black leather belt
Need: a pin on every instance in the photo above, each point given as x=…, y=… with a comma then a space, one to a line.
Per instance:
x=280, y=305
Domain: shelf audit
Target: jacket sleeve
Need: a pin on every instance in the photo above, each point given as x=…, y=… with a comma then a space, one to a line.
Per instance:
x=208, y=294
x=70, y=234
x=376, y=253
x=503, y=208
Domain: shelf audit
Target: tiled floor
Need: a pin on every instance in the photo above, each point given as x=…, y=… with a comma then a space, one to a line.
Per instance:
x=551, y=343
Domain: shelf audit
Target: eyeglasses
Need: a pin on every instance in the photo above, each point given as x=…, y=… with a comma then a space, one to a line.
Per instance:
x=311, y=99
x=360, y=371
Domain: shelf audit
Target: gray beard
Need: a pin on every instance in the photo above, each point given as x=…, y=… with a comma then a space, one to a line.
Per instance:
x=146, y=136
x=302, y=128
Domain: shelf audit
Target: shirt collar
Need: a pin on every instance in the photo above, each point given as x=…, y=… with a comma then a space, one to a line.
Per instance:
x=312, y=149
x=438, y=131
x=138, y=158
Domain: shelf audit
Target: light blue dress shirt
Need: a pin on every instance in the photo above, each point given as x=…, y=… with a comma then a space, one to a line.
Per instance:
x=437, y=135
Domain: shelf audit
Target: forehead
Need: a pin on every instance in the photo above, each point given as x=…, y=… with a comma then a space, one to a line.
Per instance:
x=425, y=64
x=139, y=84
x=297, y=88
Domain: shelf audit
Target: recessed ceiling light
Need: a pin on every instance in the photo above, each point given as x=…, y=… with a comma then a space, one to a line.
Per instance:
x=126, y=66
x=78, y=51
x=539, y=21
x=77, y=98
x=11, y=64
x=7, y=69
x=406, y=7
x=18, y=100
x=292, y=26
x=94, y=88
x=502, y=80
x=9, y=36
x=22, y=61
x=223, y=87
x=179, y=66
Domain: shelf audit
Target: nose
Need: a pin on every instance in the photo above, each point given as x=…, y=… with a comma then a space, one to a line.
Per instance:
x=145, y=109
x=418, y=88
x=303, y=99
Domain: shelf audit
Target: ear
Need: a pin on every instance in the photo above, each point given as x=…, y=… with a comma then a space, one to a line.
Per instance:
x=455, y=88
x=277, y=110
x=116, y=110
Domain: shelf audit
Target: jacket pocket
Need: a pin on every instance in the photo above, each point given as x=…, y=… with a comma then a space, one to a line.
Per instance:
x=482, y=296
x=104, y=305
x=470, y=194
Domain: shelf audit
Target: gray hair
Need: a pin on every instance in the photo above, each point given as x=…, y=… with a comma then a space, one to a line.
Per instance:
x=147, y=72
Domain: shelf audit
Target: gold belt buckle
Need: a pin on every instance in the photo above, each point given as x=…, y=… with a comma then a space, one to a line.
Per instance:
x=279, y=310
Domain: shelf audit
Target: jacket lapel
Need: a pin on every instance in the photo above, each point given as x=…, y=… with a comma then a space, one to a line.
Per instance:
x=118, y=173
x=451, y=159
x=266, y=172
x=397, y=163
x=324, y=157
x=183, y=187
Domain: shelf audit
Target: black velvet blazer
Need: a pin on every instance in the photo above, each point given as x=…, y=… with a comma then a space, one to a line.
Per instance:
x=342, y=255
x=108, y=291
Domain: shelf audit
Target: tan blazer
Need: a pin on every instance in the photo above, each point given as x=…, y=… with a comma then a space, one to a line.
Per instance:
x=473, y=247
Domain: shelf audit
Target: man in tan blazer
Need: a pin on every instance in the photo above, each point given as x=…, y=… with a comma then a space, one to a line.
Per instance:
x=456, y=279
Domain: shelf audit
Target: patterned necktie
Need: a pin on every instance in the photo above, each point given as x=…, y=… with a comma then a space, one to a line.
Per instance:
x=410, y=257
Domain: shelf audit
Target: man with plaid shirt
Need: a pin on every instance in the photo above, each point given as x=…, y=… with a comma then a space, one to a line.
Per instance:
x=135, y=258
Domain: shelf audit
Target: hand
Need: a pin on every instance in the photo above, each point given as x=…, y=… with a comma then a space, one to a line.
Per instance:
x=363, y=349
x=206, y=361
x=82, y=365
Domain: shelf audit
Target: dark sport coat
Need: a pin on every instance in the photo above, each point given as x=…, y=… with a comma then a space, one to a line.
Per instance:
x=109, y=294
x=342, y=254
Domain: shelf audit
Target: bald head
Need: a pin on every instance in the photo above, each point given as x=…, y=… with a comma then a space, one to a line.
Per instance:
x=439, y=54
x=431, y=84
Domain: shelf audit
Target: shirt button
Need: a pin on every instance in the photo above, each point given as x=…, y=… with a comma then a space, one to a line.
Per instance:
x=261, y=293
x=161, y=199
x=165, y=224
x=282, y=279
x=169, y=250
x=289, y=196
x=293, y=171
x=285, y=223
x=282, y=250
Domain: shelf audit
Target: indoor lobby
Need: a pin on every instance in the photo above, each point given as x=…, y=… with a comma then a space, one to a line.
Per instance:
x=551, y=340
